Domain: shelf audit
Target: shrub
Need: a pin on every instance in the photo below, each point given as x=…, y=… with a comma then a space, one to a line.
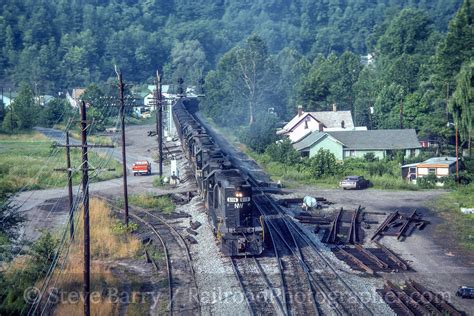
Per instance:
x=370, y=157
x=427, y=182
x=283, y=152
x=261, y=133
x=323, y=164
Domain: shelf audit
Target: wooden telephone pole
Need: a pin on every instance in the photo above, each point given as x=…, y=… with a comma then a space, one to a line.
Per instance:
x=69, y=185
x=124, y=156
x=159, y=122
x=85, y=202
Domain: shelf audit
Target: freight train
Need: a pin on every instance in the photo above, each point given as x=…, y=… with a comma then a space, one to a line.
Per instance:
x=226, y=192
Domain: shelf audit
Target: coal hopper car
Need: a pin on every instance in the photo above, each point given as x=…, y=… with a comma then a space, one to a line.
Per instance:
x=226, y=193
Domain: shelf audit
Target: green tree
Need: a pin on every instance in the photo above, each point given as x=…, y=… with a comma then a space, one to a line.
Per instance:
x=283, y=152
x=245, y=83
x=458, y=46
x=53, y=112
x=188, y=61
x=462, y=102
x=323, y=164
x=22, y=111
x=10, y=222
x=261, y=133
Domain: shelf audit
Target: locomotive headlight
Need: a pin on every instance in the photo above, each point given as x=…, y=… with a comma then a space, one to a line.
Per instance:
x=238, y=194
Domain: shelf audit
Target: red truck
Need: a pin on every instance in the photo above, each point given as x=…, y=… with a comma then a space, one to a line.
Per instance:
x=141, y=167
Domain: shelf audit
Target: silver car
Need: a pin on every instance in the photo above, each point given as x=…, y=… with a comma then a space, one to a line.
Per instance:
x=354, y=182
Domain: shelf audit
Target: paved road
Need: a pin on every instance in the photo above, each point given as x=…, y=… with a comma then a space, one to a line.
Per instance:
x=40, y=206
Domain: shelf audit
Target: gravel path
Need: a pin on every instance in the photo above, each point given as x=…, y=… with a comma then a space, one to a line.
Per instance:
x=219, y=289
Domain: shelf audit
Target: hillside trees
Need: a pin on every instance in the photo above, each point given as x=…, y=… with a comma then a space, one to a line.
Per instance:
x=462, y=103
x=85, y=38
x=331, y=80
x=188, y=61
x=21, y=112
x=246, y=82
x=458, y=45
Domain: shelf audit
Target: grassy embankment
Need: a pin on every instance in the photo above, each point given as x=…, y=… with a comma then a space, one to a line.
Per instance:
x=28, y=159
x=149, y=201
x=457, y=225
x=107, y=244
x=110, y=244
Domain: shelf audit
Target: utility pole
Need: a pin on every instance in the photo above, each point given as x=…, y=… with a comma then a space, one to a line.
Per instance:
x=159, y=122
x=401, y=113
x=124, y=156
x=457, y=153
x=11, y=108
x=69, y=184
x=85, y=204
x=447, y=104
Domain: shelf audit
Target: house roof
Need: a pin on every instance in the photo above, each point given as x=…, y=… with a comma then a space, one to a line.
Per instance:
x=333, y=119
x=309, y=140
x=77, y=92
x=378, y=139
x=435, y=161
x=438, y=162
x=330, y=119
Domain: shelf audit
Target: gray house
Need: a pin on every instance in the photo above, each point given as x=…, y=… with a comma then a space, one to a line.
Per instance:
x=345, y=144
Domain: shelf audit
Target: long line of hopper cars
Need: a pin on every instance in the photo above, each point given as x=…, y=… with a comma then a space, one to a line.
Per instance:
x=226, y=192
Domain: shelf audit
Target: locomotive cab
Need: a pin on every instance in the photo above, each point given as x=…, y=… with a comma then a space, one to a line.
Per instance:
x=236, y=219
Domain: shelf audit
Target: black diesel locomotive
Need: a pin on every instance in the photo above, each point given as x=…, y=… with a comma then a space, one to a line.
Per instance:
x=226, y=193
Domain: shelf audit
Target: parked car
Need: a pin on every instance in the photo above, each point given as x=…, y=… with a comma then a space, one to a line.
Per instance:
x=354, y=182
x=465, y=292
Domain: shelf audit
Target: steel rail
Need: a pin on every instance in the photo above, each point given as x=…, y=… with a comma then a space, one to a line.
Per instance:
x=168, y=263
x=317, y=251
x=241, y=284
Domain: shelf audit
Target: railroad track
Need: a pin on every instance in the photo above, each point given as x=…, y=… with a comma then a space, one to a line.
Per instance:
x=260, y=296
x=183, y=293
x=331, y=294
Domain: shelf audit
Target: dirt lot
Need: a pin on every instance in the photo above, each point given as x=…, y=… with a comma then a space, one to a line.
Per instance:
x=437, y=264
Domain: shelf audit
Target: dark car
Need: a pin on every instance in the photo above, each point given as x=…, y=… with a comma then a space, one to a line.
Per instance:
x=465, y=292
x=354, y=182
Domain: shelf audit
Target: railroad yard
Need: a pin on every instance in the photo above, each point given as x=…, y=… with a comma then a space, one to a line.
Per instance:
x=361, y=252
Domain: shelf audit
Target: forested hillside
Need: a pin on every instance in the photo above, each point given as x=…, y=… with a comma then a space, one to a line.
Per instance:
x=299, y=51
x=57, y=44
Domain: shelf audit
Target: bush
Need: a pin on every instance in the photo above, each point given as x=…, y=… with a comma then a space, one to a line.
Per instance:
x=323, y=164
x=427, y=182
x=370, y=157
x=158, y=182
x=120, y=228
x=283, y=152
x=261, y=133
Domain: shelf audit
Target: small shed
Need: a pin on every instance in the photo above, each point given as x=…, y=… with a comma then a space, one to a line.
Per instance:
x=439, y=166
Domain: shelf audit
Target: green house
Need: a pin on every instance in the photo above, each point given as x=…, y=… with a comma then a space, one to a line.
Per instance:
x=345, y=144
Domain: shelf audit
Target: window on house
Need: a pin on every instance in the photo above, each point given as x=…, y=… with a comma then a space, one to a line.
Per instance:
x=352, y=153
x=412, y=153
x=305, y=154
x=431, y=170
x=306, y=123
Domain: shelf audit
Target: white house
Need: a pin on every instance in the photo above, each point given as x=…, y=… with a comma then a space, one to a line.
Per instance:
x=306, y=122
x=6, y=100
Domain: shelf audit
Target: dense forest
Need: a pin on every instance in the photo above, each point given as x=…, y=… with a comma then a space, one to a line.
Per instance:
x=62, y=43
x=257, y=57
